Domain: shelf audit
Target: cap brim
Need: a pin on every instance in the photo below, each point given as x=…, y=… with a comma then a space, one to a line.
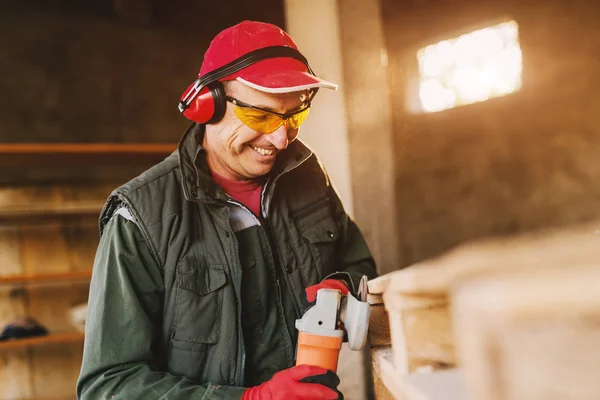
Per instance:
x=285, y=82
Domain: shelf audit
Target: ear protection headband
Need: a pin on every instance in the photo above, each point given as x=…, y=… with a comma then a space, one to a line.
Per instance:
x=205, y=101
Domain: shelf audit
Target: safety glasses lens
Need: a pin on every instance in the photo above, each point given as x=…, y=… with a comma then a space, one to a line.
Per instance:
x=297, y=119
x=265, y=122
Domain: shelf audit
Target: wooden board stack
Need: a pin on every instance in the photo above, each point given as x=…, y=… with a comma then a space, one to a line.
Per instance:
x=464, y=323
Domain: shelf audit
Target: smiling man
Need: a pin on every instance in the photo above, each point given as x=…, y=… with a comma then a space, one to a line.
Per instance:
x=236, y=150
x=207, y=259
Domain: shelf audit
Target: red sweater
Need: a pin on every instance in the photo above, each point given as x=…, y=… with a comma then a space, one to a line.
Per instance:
x=246, y=192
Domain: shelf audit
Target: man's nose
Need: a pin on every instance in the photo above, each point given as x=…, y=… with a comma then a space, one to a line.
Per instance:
x=279, y=137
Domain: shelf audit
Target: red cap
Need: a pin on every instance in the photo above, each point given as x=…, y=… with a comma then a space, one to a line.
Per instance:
x=273, y=75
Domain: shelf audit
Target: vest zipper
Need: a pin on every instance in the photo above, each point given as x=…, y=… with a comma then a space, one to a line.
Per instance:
x=242, y=346
x=230, y=200
x=264, y=202
x=282, y=310
x=278, y=272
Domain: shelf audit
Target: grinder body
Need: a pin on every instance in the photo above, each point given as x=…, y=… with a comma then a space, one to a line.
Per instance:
x=323, y=326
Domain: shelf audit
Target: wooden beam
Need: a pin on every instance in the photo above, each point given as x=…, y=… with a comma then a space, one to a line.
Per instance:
x=393, y=384
x=417, y=298
x=436, y=276
x=530, y=334
x=70, y=276
x=54, y=338
x=49, y=154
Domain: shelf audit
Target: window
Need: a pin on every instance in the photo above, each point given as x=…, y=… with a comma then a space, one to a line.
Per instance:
x=470, y=68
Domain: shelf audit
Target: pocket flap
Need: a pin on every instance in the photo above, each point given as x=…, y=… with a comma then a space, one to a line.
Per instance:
x=324, y=231
x=199, y=279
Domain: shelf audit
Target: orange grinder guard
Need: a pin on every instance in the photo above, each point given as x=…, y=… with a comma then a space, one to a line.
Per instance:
x=319, y=339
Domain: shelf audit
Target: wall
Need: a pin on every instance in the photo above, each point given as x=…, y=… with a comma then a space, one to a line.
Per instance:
x=523, y=162
x=90, y=71
x=325, y=131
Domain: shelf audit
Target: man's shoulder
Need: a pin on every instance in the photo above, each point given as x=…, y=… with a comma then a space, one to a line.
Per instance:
x=155, y=178
x=145, y=195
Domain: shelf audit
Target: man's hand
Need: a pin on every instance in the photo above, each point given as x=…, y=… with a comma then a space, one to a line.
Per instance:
x=311, y=291
x=303, y=382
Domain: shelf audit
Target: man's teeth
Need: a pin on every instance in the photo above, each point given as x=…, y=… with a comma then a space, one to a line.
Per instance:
x=262, y=151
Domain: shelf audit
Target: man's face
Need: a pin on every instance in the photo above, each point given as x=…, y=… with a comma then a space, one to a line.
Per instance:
x=238, y=152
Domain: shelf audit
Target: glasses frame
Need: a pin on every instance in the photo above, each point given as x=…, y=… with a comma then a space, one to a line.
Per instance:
x=284, y=116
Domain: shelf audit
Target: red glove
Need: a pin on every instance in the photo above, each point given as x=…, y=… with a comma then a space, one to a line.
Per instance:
x=311, y=291
x=286, y=385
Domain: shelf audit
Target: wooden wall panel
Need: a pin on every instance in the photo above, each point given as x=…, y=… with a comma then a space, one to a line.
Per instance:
x=81, y=237
x=530, y=335
x=55, y=370
x=45, y=245
x=14, y=365
x=15, y=374
x=45, y=249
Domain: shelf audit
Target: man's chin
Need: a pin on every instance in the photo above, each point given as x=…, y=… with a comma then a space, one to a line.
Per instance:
x=258, y=171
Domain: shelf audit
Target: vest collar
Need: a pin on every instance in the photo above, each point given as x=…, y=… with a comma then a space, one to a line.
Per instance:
x=196, y=180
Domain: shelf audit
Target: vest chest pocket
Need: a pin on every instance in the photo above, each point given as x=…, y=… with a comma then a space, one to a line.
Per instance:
x=199, y=300
x=322, y=235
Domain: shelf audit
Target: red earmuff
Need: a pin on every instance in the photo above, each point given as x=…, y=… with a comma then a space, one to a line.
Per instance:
x=208, y=106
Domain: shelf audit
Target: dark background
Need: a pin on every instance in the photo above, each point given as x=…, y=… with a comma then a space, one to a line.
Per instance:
x=107, y=71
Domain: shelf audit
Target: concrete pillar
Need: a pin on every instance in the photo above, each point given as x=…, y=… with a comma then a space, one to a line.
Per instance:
x=314, y=26
x=351, y=130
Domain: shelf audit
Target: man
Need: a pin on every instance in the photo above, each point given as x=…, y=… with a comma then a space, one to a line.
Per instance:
x=207, y=259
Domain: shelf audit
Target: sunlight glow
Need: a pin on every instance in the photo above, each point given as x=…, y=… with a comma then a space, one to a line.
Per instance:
x=471, y=68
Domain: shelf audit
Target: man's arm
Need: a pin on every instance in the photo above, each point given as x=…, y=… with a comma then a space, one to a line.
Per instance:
x=123, y=323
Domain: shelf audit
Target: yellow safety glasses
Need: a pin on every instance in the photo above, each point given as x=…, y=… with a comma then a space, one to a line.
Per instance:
x=265, y=121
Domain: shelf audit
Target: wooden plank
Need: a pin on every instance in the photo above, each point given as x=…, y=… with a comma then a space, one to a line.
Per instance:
x=379, y=326
x=47, y=278
x=429, y=338
x=30, y=212
x=21, y=204
x=82, y=237
x=439, y=385
x=50, y=339
x=15, y=374
x=49, y=398
x=379, y=284
x=24, y=200
x=417, y=297
x=380, y=390
x=526, y=335
x=44, y=249
x=421, y=333
x=57, y=368
x=14, y=370
x=575, y=245
x=52, y=154
x=105, y=149
x=386, y=374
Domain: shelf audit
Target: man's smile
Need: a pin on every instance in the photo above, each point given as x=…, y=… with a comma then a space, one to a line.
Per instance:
x=262, y=151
